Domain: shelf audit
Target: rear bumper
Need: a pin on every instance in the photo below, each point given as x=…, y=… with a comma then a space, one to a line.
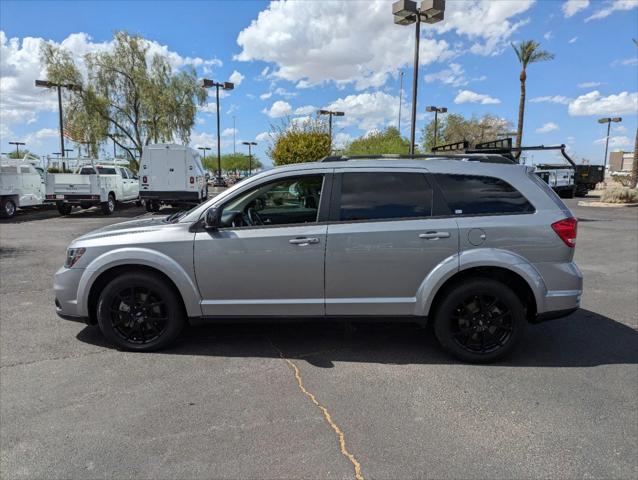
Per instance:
x=168, y=196
x=74, y=198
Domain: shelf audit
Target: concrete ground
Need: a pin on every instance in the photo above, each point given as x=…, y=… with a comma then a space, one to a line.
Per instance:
x=238, y=401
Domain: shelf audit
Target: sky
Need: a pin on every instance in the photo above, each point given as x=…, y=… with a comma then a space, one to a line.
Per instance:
x=290, y=58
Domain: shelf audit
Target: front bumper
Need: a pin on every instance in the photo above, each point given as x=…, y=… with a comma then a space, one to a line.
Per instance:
x=65, y=288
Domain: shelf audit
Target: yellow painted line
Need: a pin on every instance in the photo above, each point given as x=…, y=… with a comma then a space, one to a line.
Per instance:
x=326, y=414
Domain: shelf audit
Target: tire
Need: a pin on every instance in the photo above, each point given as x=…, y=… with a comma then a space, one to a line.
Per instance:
x=64, y=208
x=582, y=191
x=8, y=208
x=108, y=207
x=156, y=205
x=85, y=206
x=157, y=318
x=474, y=335
x=570, y=193
x=148, y=206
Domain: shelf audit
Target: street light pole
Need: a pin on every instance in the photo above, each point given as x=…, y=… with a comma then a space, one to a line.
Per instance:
x=400, y=98
x=204, y=149
x=330, y=114
x=608, y=121
x=250, y=156
x=406, y=12
x=436, y=111
x=234, y=142
x=206, y=83
x=17, y=144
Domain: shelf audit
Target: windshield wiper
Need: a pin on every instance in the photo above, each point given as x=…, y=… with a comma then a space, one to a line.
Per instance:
x=172, y=218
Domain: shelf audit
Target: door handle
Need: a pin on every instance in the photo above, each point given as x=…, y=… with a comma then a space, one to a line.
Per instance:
x=434, y=235
x=303, y=241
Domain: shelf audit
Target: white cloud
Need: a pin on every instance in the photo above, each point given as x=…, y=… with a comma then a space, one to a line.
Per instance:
x=454, y=75
x=201, y=139
x=572, y=7
x=628, y=62
x=573, y=40
x=619, y=128
x=278, y=109
x=20, y=66
x=560, y=99
x=611, y=7
x=315, y=42
x=620, y=141
x=548, y=127
x=265, y=96
x=228, y=132
x=467, y=96
x=341, y=139
x=210, y=107
x=305, y=110
x=368, y=110
x=593, y=103
x=589, y=85
x=263, y=137
x=236, y=78
x=548, y=35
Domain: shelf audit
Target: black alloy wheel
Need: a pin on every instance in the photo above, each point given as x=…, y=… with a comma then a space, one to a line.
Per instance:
x=481, y=324
x=479, y=320
x=140, y=312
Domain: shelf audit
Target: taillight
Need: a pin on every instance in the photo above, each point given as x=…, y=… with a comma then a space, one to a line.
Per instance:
x=566, y=230
x=192, y=180
x=144, y=179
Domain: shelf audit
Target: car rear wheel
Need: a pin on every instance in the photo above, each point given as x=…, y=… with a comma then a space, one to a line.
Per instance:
x=140, y=312
x=479, y=320
x=108, y=207
x=8, y=208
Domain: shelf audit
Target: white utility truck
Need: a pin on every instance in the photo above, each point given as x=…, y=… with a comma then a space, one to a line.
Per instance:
x=92, y=184
x=171, y=174
x=21, y=185
x=559, y=177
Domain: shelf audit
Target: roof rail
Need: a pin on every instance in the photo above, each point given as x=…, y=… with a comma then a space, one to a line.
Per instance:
x=452, y=147
x=470, y=157
x=502, y=143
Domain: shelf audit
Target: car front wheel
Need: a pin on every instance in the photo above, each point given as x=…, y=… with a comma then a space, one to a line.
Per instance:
x=140, y=312
x=479, y=320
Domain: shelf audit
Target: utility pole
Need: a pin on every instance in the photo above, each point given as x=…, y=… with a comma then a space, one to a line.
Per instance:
x=234, y=143
x=436, y=111
x=17, y=144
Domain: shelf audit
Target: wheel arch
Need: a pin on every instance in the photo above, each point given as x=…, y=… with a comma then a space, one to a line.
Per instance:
x=109, y=265
x=506, y=267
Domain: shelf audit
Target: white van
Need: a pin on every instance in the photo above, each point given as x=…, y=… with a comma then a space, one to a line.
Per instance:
x=21, y=185
x=171, y=174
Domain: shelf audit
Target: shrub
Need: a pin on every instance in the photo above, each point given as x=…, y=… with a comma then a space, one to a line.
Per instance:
x=620, y=195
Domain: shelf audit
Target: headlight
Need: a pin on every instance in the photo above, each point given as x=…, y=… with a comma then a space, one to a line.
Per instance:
x=73, y=255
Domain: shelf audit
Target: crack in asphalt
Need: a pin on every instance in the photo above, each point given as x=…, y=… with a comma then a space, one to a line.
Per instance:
x=340, y=435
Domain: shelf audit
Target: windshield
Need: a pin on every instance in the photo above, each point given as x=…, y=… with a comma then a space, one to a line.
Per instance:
x=106, y=170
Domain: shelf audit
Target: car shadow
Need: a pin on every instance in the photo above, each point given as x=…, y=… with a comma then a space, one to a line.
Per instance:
x=584, y=339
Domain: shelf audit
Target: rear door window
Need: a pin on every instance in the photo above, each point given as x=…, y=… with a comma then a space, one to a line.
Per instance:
x=479, y=195
x=384, y=195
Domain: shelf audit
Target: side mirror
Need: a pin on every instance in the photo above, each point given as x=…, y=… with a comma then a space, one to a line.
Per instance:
x=212, y=221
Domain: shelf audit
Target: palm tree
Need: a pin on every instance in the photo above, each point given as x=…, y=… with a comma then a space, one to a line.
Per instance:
x=528, y=51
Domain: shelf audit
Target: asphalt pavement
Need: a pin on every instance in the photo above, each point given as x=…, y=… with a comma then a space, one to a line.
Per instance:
x=316, y=400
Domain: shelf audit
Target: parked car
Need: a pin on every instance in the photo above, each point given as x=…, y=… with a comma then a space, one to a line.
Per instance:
x=479, y=249
x=219, y=182
x=21, y=186
x=171, y=174
x=103, y=184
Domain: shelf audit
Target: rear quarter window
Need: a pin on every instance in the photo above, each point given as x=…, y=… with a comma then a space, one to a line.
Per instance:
x=481, y=195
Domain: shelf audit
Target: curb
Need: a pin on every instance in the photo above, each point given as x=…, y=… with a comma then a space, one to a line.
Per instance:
x=583, y=203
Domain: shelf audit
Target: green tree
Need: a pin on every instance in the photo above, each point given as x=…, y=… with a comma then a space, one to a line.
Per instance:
x=298, y=142
x=232, y=162
x=124, y=96
x=23, y=151
x=527, y=52
x=379, y=143
x=456, y=128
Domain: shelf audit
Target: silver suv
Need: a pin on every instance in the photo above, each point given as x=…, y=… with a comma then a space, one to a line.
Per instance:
x=477, y=248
